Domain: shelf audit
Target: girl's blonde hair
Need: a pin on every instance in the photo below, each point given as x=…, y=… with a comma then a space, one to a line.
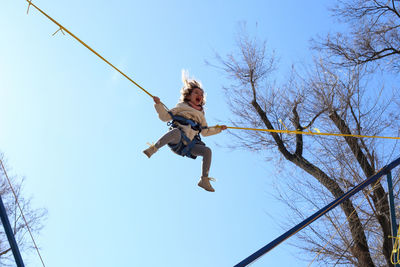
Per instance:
x=188, y=86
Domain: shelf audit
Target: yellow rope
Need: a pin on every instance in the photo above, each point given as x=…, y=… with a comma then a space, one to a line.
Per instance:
x=22, y=214
x=311, y=133
x=395, y=256
x=62, y=29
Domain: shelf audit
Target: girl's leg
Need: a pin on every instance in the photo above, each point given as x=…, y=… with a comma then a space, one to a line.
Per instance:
x=172, y=137
x=205, y=152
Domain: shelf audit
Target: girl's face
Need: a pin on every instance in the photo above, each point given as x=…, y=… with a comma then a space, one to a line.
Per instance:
x=196, y=97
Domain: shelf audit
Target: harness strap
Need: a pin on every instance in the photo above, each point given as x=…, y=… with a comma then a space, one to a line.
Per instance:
x=181, y=148
x=185, y=121
x=190, y=144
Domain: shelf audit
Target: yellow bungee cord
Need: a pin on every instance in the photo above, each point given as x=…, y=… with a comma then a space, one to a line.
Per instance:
x=311, y=133
x=395, y=256
x=63, y=29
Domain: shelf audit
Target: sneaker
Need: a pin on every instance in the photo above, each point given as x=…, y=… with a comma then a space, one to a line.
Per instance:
x=150, y=151
x=205, y=183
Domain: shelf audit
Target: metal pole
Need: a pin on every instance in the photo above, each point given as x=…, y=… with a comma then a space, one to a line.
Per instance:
x=10, y=235
x=392, y=211
x=385, y=170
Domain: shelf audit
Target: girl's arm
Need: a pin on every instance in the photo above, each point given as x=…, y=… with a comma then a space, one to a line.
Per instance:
x=162, y=112
x=213, y=130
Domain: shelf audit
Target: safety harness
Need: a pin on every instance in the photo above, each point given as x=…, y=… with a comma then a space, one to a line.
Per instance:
x=181, y=148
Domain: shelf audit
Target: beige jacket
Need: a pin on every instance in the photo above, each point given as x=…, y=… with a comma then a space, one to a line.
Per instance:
x=184, y=110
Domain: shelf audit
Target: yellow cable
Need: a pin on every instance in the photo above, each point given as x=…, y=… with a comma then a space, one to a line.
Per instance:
x=311, y=133
x=395, y=255
x=62, y=28
x=88, y=47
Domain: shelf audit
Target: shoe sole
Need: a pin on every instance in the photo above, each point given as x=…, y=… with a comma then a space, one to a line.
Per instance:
x=144, y=152
x=206, y=188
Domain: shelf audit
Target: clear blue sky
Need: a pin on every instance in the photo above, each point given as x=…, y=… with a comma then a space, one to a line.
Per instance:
x=76, y=129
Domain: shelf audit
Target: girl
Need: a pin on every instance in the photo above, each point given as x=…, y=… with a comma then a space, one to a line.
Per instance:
x=188, y=122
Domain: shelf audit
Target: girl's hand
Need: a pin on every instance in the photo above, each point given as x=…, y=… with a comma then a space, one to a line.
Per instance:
x=156, y=100
x=223, y=127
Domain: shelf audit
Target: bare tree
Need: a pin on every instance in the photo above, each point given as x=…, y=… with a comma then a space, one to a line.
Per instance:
x=331, y=99
x=373, y=37
x=34, y=217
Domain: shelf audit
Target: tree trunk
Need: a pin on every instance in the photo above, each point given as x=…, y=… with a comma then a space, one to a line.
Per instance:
x=379, y=195
x=360, y=248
